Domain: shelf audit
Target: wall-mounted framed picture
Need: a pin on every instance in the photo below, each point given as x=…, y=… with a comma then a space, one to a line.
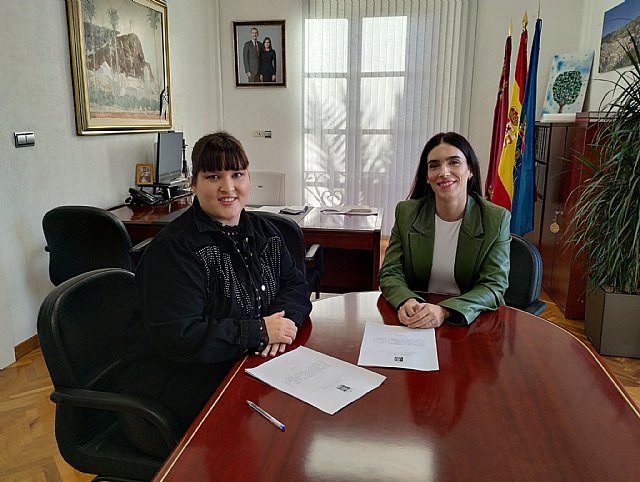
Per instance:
x=144, y=174
x=618, y=22
x=120, y=65
x=259, y=53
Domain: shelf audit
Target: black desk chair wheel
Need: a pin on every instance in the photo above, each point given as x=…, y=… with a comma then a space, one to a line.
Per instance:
x=525, y=277
x=82, y=327
x=85, y=238
x=310, y=261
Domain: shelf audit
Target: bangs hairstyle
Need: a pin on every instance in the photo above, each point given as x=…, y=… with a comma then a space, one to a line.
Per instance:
x=219, y=151
x=420, y=188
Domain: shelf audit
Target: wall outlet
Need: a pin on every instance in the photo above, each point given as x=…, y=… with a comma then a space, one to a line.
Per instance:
x=258, y=133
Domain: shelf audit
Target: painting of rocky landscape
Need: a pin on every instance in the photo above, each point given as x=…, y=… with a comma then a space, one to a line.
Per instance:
x=119, y=51
x=618, y=23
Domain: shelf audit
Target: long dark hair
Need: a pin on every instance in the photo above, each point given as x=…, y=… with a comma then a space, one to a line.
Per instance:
x=420, y=188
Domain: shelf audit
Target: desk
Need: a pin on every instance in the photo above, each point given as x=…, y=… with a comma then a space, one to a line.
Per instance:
x=351, y=244
x=516, y=398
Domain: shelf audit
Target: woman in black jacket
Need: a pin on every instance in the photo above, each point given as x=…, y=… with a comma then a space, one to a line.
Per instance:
x=215, y=284
x=267, y=62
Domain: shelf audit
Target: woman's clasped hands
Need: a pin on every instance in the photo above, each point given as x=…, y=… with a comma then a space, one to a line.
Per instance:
x=414, y=314
x=281, y=330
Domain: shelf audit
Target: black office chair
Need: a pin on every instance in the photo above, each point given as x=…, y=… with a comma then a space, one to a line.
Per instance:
x=310, y=261
x=82, y=327
x=85, y=238
x=525, y=277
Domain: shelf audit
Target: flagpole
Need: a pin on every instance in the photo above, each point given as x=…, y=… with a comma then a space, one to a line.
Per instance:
x=502, y=194
x=500, y=119
x=524, y=196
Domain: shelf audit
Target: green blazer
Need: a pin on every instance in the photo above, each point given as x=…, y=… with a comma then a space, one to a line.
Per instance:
x=482, y=257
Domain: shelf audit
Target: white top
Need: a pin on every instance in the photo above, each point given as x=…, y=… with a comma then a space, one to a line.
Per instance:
x=445, y=245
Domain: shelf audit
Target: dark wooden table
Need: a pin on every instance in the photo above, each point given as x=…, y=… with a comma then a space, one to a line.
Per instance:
x=516, y=398
x=351, y=244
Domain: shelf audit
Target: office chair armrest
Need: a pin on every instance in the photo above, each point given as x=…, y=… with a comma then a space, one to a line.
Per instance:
x=139, y=248
x=150, y=410
x=314, y=257
x=311, y=252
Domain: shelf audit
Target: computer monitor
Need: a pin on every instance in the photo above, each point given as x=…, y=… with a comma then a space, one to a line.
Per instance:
x=169, y=158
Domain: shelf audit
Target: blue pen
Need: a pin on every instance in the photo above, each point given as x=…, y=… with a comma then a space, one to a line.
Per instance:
x=269, y=417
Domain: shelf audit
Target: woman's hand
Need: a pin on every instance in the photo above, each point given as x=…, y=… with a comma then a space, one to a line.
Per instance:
x=273, y=349
x=273, y=78
x=421, y=315
x=280, y=329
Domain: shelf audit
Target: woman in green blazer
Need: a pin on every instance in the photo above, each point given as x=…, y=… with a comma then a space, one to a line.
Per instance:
x=448, y=239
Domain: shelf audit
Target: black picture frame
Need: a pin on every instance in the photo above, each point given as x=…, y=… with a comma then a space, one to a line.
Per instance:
x=244, y=58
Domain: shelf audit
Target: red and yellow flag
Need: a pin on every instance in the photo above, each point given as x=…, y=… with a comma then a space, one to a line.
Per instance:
x=500, y=112
x=503, y=191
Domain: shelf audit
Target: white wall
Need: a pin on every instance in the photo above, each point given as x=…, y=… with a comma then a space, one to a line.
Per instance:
x=277, y=109
x=64, y=168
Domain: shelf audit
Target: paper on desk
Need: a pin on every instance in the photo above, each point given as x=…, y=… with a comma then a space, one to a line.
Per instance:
x=317, y=379
x=398, y=347
x=269, y=209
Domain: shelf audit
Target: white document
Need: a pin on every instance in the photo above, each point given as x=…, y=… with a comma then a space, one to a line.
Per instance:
x=398, y=347
x=269, y=209
x=320, y=380
x=353, y=210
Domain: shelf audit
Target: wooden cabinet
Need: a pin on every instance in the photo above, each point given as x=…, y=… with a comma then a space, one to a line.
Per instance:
x=563, y=272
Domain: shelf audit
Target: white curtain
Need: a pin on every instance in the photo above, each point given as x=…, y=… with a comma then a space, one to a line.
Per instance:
x=380, y=78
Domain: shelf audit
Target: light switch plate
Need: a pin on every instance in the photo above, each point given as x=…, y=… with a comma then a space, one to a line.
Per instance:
x=24, y=139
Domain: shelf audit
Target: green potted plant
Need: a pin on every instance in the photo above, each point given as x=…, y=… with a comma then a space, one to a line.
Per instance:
x=606, y=221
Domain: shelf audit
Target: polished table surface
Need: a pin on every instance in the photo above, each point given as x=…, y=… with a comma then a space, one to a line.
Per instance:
x=351, y=242
x=515, y=398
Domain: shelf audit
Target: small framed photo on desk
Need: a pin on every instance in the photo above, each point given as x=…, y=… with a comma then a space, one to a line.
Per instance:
x=144, y=174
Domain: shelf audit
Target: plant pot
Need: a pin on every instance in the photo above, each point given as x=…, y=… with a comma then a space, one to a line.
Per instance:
x=612, y=323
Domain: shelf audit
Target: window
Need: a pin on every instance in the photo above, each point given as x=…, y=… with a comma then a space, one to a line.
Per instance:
x=380, y=77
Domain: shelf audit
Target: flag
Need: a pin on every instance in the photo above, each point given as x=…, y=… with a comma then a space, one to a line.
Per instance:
x=524, y=194
x=499, y=121
x=503, y=192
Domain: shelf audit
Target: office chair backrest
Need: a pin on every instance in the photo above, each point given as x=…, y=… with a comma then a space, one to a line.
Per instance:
x=309, y=262
x=293, y=237
x=82, y=327
x=525, y=276
x=84, y=238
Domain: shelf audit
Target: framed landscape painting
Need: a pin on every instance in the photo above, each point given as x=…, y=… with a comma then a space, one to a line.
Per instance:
x=120, y=65
x=259, y=53
x=617, y=24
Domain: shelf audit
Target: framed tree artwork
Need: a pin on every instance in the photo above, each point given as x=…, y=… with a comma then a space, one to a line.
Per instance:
x=568, y=79
x=120, y=65
x=259, y=53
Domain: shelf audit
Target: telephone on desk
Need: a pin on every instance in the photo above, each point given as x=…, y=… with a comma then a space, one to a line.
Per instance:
x=144, y=198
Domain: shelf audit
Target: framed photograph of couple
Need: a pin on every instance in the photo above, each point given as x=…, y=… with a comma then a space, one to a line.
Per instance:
x=120, y=65
x=259, y=53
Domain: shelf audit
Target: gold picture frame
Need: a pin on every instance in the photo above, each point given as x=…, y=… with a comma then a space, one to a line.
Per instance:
x=120, y=65
x=144, y=175
x=248, y=55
